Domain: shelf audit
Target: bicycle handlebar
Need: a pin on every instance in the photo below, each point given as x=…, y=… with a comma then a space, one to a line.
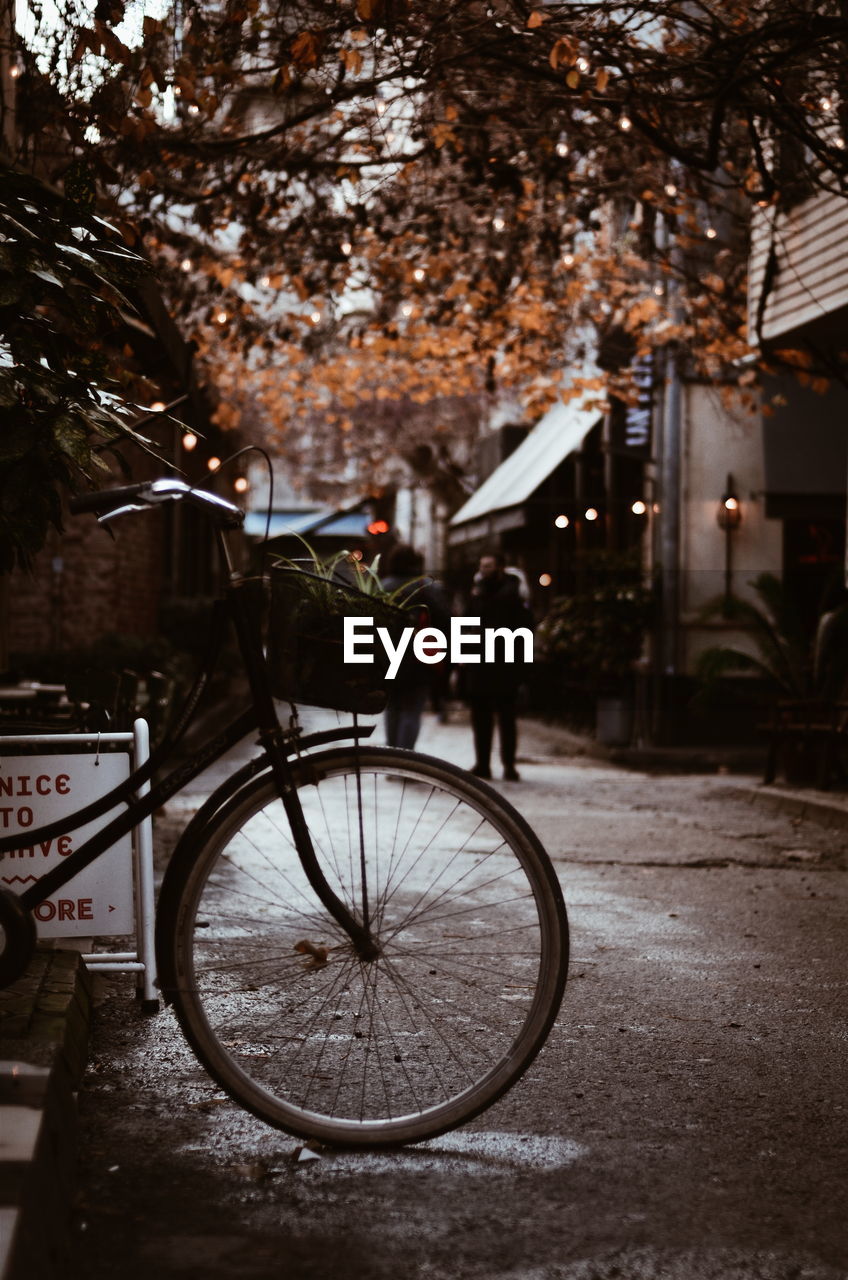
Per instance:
x=123, y=499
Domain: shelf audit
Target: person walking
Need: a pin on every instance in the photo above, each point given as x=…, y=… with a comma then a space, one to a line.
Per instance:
x=492, y=687
x=407, y=693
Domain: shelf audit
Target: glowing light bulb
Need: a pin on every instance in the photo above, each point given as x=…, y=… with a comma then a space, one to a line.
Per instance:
x=15, y=71
x=213, y=464
x=265, y=281
x=406, y=309
x=591, y=513
x=346, y=248
x=568, y=259
x=826, y=104
x=562, y=149
x=583, y=65
x=670, y=189
x=315, y=317
x=221, y=317
x=380, y=107
x=158, y=406
x=658, y=290
x=419, y=274
x=189, y=441
x=638, y=507
x=711, y=233
x=562, y=522
x=185, y=265
x=625, y=123
x=240, y=484
x=731, y=504
x=194, y=109
x=545, y=579
x=498, y=223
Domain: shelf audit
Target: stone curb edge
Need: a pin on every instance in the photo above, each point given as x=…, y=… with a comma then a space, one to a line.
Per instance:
x=44, y=1025
x=813, y=808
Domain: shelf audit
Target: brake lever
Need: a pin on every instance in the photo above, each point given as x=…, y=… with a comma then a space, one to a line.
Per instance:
x=126, y=510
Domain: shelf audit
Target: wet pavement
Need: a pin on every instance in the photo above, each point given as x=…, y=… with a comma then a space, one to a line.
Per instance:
x=686, y=1121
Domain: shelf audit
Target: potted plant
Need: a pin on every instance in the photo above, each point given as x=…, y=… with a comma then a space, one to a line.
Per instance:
x=595, y=637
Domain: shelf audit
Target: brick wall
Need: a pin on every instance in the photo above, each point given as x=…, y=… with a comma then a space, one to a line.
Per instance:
x=84, y=584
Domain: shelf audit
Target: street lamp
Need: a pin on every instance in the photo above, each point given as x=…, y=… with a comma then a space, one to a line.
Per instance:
x=729, y=518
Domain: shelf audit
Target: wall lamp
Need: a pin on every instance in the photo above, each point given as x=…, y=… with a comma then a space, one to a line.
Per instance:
x=729, y=518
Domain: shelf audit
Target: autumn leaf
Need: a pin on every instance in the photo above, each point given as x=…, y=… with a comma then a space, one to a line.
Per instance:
x=601, y=79
x=304, y=49
x=535, y=20
x=563, y=53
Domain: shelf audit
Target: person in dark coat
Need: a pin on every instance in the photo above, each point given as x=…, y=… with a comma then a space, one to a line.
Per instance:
x=407, y=693
x=492, y=687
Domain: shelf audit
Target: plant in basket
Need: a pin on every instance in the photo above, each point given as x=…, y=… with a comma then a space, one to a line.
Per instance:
x=310, y=598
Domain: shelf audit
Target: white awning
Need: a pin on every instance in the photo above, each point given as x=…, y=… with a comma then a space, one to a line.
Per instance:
x=562, y=430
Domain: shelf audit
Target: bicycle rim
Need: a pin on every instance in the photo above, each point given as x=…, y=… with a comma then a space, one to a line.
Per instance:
x=472, y=956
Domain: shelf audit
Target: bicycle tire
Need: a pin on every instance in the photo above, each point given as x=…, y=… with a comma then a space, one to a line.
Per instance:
x=473, y=939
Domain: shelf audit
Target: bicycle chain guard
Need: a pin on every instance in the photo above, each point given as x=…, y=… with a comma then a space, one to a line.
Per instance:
x=17, y=938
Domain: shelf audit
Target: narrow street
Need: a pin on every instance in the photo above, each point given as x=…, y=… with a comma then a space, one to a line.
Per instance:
x=686, y=1121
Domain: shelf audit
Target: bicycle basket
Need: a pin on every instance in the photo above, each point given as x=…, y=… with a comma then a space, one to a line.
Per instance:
x=305, y=642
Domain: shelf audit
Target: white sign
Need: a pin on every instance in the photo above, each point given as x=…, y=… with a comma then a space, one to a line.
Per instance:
x=37, y=790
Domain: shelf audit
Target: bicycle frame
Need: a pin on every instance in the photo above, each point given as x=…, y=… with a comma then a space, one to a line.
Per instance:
x=242, y=605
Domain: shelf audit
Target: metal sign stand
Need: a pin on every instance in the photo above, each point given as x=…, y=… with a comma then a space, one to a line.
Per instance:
x=141, y=961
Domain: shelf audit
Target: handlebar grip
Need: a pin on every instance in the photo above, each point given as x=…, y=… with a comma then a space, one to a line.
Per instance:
x=106, y=499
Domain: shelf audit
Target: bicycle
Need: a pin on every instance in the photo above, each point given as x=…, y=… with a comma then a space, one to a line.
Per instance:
x=364, y=946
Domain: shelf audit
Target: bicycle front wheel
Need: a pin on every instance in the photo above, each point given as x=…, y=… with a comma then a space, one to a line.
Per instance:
x=471, y=956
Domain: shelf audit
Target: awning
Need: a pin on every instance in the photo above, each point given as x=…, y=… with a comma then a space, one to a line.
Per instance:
x=326, y=522
x=562, y=430
x=805, y=447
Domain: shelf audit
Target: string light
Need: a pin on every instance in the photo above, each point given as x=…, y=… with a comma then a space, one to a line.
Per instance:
x=568, y=259
x=545, y=579
x=185, y=265
x=346, y=248
x=194, y=109
x=625, y=123
x=189, y=441
x=591, y=513
x=407, y=309
x=562, y=149
x=562, y=522
x=498, y=223
x=221, y=317
x=315, y=317
x=826, y=104
x=639, y=507
x=213, y=464
x=240, y=484
x=711, y=233
x=265, y=281
x=583, y=65
x=15, y=71
x=419, y=274
x=670, y=189
x=158, y=406
x=658, y=290
x=381, y=107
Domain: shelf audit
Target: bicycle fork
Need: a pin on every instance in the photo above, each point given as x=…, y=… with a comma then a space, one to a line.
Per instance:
x=246, y=614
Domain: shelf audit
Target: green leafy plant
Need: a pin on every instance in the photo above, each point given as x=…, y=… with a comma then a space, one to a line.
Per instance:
x=783, y=644
x=595, y=636
x=63, y=279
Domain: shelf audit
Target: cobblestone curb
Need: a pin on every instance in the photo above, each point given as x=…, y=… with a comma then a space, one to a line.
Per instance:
x=44, y=1022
